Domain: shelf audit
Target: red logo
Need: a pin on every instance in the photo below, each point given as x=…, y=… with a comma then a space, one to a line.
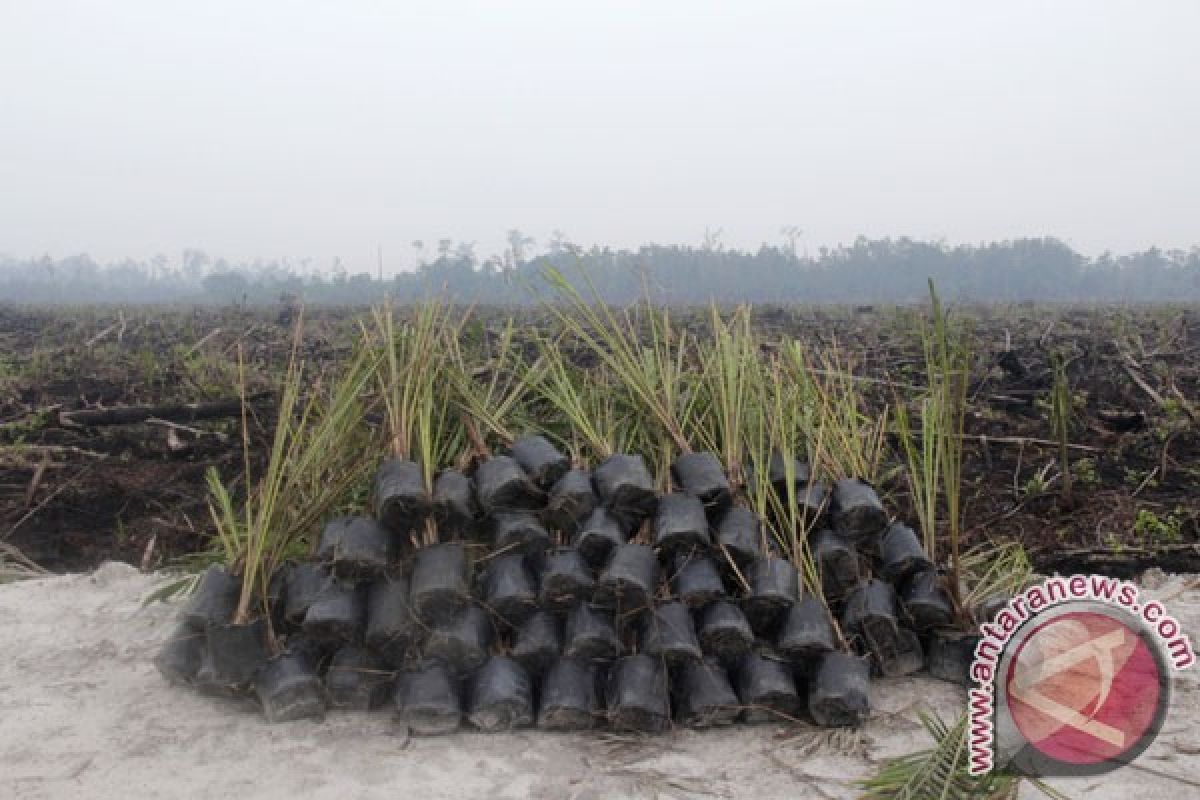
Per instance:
x=1085, y=689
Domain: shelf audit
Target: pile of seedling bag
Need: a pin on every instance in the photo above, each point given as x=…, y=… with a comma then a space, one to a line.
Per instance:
x=563, y=599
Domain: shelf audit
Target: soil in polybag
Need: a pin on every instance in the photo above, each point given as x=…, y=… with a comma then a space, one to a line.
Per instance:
x=355, y=548
x=501, y=485
x=401, y=501
x=858, y=513
x=696, y=580
x=626, y=488
x=454, y=505
x=569, y=700
x=542, y=461
x=927, y=604
x=701, y=476
x=214, y=600
x=236, y=653
x=636, y=696
x=724, y=632
x=591, y=634
x=598, y=536
x=520, y=532
x=303, y=583
x=440, y=585
x=838, y=690
x=509, y=590
x=570, y=502
x=566, y=580
x=766, y=688
x=774, y=588
x=429, y=700
x=338, y=614
x=901, y=553
x=289, y=688
x=182, y=655
x=461, y=643
x=358, y=679
x=501, y=696
x=538, y=642
x=837, y=561
x=680, y=525
x=806, y=631
x=629, y=580
x=391, y=626
x=740, y=535
x=667, y=632
x=704, y=697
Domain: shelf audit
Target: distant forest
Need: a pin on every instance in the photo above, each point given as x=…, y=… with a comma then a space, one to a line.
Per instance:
x=866, y=272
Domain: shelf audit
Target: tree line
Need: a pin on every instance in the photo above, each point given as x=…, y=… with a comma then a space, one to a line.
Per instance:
x=865, y=272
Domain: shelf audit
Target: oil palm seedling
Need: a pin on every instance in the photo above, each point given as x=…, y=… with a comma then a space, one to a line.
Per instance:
x=310, y=466
x=941, y=771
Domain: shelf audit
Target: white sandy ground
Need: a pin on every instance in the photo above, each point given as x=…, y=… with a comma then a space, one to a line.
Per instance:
x=83, y=713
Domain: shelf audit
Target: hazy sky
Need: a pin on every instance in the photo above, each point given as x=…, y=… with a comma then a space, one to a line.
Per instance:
x=283, y=128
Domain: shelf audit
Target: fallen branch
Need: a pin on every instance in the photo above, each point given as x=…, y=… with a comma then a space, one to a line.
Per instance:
x=179, y=413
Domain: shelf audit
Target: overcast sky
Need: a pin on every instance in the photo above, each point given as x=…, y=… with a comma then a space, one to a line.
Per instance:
x=280, y=128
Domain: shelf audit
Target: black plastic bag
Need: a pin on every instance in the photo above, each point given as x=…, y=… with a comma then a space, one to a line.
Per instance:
x=872, y=615
x=566, y=580
x=520, y=532
x=303, y=583
x=401, y=498
x=440, y=585
x=599, y=535
x=429, y=700
x=949, y=655
x=625, y=487
x=289, y=688
x=837, y=561
x=214, y=600
x=571, y=501
x=501, y=696
x=811, y=496
x=339, y=614
x=680, y=525
x=701, y=476
x=696, y=580
x=236, y=653
x=806, y=632
x=724, y=632
x=740, y=534
x=629, y=580
x=391, y=626
x=569, y=700
x=357, y=679
x=542, y=461
x=454, y=505
x=538, y=643
x=766, y=689
x=668, y=633
x=182, y=655
x=858, y=513
x=501, y=485
x=508, y=588
x=637, y=697
x=901, y=553
x=774, y=588
x=703, y=695
x=591, y=634
x=926, y=603
x=355, y=548
x=462, y=642
x=838, y=692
